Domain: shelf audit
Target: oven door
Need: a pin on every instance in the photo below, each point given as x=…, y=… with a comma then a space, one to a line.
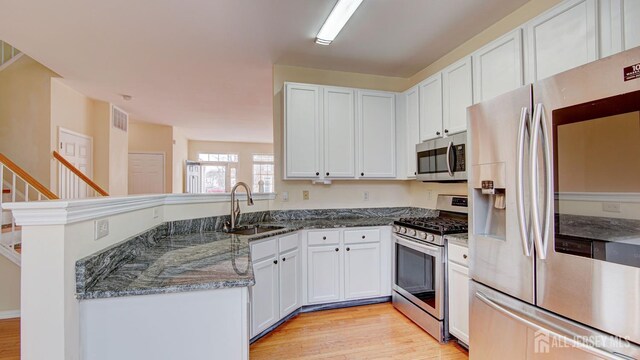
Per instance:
x=418, y=274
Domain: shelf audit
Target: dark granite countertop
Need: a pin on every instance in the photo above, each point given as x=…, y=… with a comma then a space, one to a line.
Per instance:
x=195, y=254
x=458, y=239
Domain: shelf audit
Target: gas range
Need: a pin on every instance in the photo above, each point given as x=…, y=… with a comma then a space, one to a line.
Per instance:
x=452, y=220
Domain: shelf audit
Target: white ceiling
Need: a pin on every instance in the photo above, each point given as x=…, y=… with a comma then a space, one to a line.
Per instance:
x=206, y=65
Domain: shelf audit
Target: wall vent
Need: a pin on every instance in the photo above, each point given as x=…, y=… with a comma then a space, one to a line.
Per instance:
x=119, y=118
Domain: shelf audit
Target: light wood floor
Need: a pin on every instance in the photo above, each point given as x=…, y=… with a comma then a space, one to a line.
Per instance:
x=10, y=339
x=365, y=332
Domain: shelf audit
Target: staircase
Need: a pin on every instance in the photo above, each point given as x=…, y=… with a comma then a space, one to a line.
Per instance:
x=19, y=186
x=8, y=54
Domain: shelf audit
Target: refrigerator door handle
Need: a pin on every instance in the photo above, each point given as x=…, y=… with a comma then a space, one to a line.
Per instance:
x=503, y=309
x=449, y=147
x=549, y=181
x=522, y=222
x=540, y=231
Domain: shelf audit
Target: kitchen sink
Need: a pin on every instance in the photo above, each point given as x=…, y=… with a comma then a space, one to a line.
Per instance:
x=254, y=229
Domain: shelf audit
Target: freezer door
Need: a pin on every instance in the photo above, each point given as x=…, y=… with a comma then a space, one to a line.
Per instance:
x=500, y=244
x=587, y=223
x=502, y=327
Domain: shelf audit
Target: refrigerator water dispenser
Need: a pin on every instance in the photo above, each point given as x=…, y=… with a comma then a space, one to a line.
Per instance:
x=489, y=194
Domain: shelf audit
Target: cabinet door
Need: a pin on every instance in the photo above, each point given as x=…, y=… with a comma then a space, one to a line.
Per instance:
x=457, y=95
x=497, y=67
x=264, y=295
x=339, y=133
x=377, y=129
x=289, y=282
x=323, y=273
x=561, y=39
x=458, y=301
x=430, y=94
x=302, y=131
x=631, y=29
x=413, y=129
x=362, y=271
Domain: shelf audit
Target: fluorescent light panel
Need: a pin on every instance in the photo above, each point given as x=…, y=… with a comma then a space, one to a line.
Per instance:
x=339, y=16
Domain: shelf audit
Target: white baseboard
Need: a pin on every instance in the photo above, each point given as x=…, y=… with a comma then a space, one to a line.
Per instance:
x=10, y=314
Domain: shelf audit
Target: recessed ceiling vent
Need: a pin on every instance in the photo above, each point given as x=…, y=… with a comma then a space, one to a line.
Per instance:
x=119, y=118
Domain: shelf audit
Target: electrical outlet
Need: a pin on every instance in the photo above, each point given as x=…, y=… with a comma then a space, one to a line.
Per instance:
x=365, y=196
x=156, y=213
x=611, y=207
x=285, y=196
x=305, y=194
x=101, y=228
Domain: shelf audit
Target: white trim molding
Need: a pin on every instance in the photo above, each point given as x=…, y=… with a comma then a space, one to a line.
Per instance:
x=9, y=314
x=619, y=197
x=62, y=212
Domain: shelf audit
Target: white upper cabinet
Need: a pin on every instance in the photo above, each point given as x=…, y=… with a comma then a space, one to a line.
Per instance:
x=412, y=100
x=631, y=26
x=430, y=107
x=339, y=133
x=619, y=25
x=498, y=67
x=562, y=38
x=457, y=95
x=302, y=131
x=376, y=141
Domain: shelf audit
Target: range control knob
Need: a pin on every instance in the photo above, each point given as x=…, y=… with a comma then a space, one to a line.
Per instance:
x=396, y=228
x=412, y=232
x=403, y=230
x=422, y=235
x=430, y=237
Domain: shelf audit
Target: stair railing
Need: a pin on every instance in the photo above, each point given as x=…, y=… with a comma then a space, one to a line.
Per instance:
x=73, y=183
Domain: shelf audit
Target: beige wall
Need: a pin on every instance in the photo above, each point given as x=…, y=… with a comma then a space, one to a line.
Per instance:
x=101, y=145
x=180, y=156
x=525, y=13
x=25, y=110
x=245, y=153
x=147, y=137
x=340, y=193
x=10, y=285
x=118, y=161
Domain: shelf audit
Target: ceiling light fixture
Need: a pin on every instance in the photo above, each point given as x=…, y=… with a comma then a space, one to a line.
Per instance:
x=336, y=20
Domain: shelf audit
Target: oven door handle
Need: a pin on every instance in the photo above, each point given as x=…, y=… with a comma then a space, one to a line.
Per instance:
x=449, y=147
x=431, y=250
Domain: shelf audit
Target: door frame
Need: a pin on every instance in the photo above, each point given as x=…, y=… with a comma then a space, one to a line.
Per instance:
x=164, y=166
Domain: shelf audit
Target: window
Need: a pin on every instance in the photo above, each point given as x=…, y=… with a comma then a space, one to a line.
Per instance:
x=263, y=170
x=218, y=172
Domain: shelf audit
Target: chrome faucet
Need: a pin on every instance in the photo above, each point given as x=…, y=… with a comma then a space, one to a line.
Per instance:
x=235, y=204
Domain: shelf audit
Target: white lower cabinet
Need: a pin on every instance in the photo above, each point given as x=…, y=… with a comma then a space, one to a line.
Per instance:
x=362, y=270
x=458, y=280
x=323, y=277
x=277, y=291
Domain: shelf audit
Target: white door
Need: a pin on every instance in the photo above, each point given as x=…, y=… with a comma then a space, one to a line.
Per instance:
x=497, y=67
x=457, y=95
x=289, y=282
x=303, y=136
x=561, y=39
x=339, y=133
x=78, y=150
x=413, y=129
x=323, y=271
x=458, y=301
x=362, y=270
x=146, y=173
x=430, y=94
x=264, y=295
x=377, y=129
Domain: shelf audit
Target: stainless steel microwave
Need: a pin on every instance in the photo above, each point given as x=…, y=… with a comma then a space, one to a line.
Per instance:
x=442, y=159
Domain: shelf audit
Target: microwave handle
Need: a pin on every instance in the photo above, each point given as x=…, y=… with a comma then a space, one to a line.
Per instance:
x=449, y=147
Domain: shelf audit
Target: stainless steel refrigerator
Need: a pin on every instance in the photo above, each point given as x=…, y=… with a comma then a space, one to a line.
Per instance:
x=554, y=191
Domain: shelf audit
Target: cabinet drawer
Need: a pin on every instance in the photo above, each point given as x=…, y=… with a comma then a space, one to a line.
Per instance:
x=361, y=236
x=288, y=242
x=458, y=254
x=323, y=237
x=264, y=249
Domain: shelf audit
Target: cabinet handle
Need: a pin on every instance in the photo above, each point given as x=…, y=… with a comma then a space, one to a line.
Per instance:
x=317, y=173
x=415, y=173
x=363, y=236
x=327, y=174
x=337, y=249
x=275, y=262
x=284, y=259
x=324, y=238
x=437, y=133
x=361, y=174
x=348, y=249
x=464, y=256
x=446, y=131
